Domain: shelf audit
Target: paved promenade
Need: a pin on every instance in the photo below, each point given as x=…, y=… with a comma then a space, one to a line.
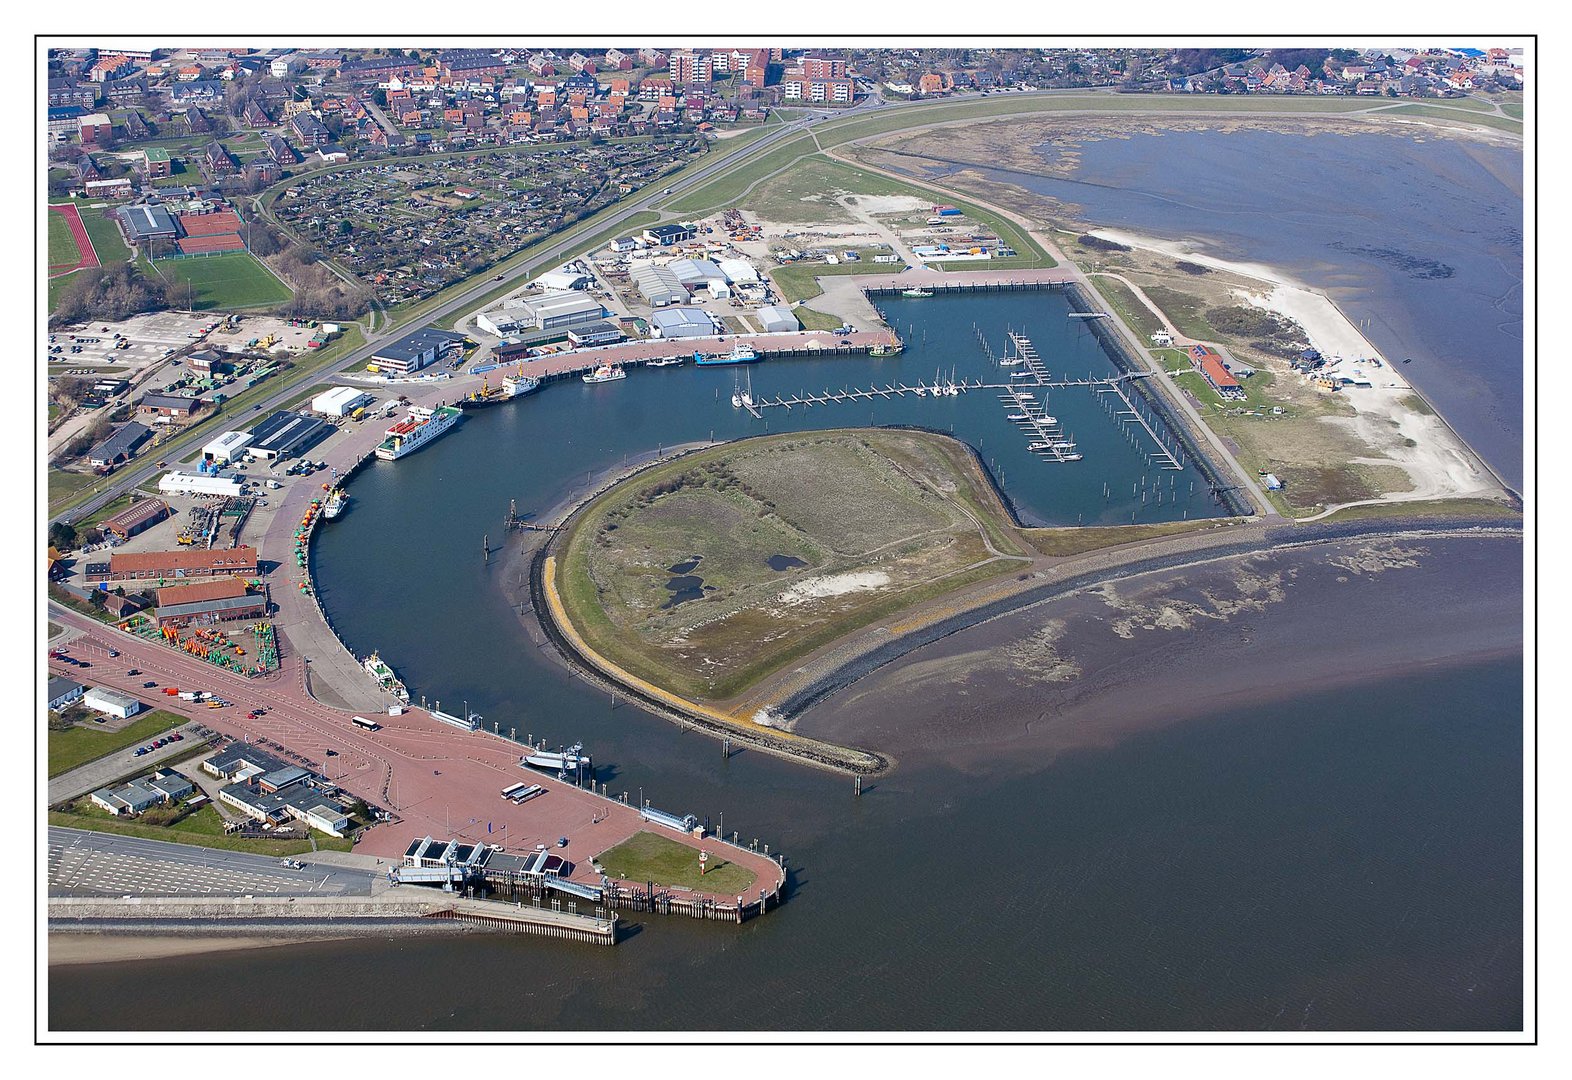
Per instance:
x=439, y=780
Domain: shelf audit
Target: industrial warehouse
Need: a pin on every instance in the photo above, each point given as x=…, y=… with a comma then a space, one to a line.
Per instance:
x=183, y=563
x=414, y=351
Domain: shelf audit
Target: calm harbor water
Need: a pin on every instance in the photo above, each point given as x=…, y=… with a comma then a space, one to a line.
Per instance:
x=1421, y=236
x=1349, y=858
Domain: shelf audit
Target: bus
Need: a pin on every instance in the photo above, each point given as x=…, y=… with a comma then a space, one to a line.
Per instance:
x=522, y=793
x=513, y=790
x=369, y=725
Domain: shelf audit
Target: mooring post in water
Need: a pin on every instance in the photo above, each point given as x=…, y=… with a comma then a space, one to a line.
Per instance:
x=857, y=786
x=726, y=746
x=485, y=546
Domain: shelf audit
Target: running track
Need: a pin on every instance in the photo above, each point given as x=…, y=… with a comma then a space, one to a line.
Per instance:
x=84, y=245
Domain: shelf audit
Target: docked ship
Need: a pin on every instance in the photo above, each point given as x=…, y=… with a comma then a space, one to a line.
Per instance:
x=378, y=669
x=669, y=361
x=335, y=503
x=605, y=373
x=741, y=353
x=516, y=386
x=420, y=427
x=917, y=294
x=886, y=348
x=559, y=761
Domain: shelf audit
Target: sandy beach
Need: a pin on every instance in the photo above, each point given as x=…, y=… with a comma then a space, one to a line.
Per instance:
x=1390, y=418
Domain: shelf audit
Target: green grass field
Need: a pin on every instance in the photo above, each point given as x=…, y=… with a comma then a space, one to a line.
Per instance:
x=648, y=857
x=234, y=279
x=62, y=246
x=68, y=749
x=104, y=234
x=1439, y=112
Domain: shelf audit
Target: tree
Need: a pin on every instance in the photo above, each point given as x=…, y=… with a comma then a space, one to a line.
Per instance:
x=62, y=536
x=345, y=227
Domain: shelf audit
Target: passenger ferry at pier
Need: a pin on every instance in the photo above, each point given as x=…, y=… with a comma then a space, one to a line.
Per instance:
x=605, y=373
x=669, y=361
x=334, y=506
x=561, y=760
x=420, y=427
x=741, y=353
x=378, y=669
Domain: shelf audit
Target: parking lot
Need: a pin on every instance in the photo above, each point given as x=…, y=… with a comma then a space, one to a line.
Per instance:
x=151, y=338
x=96, y=864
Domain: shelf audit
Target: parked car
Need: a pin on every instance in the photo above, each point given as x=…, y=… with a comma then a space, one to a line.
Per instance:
x=149, y=686
x=134, y=671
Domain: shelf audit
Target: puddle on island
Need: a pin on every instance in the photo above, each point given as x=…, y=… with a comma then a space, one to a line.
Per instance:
x=783, y=562
x=683, y=588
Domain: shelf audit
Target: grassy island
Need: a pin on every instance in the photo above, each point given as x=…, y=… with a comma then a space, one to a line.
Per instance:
x=706, y=574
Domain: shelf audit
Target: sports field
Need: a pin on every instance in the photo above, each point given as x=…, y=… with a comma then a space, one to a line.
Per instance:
x=69, y=246
x=234, y=279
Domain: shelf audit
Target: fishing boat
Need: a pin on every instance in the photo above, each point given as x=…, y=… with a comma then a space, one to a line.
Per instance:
x=378, y=669
x=886, y=348
x=335, y=503
x=669, y=361
x=420, y=427
x=917, y=294
x=605, y=373
x=741, y=353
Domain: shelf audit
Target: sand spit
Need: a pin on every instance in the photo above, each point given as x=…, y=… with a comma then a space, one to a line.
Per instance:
x=1389, y=417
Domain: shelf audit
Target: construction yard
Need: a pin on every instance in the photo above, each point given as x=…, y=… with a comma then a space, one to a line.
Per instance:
x=709, y=572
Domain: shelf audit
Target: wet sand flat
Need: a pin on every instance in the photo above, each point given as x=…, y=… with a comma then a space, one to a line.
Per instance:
x=1091, y=669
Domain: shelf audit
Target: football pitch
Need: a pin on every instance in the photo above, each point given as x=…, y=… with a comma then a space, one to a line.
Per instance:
x=234, y=279
x=62, y=245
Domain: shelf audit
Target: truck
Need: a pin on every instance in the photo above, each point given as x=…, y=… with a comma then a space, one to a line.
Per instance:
x=192, y=695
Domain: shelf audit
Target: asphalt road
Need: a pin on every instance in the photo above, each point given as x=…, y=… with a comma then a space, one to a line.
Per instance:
x=87, y=863
x=547, y=256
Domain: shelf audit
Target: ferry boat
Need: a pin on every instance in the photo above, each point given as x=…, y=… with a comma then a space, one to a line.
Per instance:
x=559, y=761
x=605, y=373
x=420, y=427
x=741, y=353
x=669, y=361
x=378, y=669
x=917, y=294
x=335, y=503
